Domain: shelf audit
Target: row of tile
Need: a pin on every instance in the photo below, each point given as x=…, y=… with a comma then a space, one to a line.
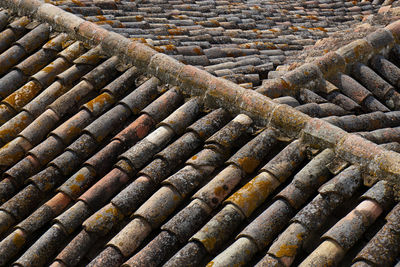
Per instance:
x=224, y=30
x=140, y=209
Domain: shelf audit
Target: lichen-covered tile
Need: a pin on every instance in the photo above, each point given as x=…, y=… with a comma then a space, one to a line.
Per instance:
x=288, y=159
x=219, y=229
x=10, y=246
x=110, y=256
x=11, y=81
x=384, y=246
x=358, y=93
x=155, y=251
x=191, y=255
x=378, y=86
x=104, y=188
x=73, y=216
x=82, y=242
x=130, y=237
x=214, y=192
x=237, y=254
x=44, y=248
x=13, y=32
x=386, y=69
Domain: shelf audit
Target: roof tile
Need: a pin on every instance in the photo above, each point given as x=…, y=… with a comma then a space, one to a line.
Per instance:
x=236, y=254
x=9, y=247
x=81, y=243
x=383, y=247
x=44, y=213
x=43, y=248
x=385, y=68
x=323, y=253
x=267, y=225
x=288, y=159
x=215, y=233
x=72, y=217
x=109, y=126
x=191, y=255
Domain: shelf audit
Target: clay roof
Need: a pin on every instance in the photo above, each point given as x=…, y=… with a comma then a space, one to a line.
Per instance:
x=238, y=40
x=113, y=153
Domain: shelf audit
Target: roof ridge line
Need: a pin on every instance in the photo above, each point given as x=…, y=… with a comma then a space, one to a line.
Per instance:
x=217, y=92
x=341, y=60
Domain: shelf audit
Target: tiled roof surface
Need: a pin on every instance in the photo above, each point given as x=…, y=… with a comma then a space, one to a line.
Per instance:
x=113, y=154
x=238, y=40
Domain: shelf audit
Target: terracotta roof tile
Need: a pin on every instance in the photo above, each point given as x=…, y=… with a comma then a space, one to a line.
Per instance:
x=114, y=153
x=377, y=253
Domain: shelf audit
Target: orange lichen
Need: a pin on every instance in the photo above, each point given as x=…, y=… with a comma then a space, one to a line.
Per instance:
x=18, y=240
x=78, y=3
x=75, y=189
x=197, y=51
x=24, y=120
x=101, y=100
x=201, y=134
x=312, y=17
x=248, y=164
x=286, y=251
x=252, y=194
x=101, y=17
x=219, y=191
x=209, y=242
x=176, y=198
x=300, y=236
x=321, y=29
x=177, y=31
x=164, y=48
x=90, y=58
x=23, y=95
x=80, y=178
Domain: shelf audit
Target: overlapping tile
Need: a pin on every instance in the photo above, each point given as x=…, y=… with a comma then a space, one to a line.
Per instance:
x=104, y=166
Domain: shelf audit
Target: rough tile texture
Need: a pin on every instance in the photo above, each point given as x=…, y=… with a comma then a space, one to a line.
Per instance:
x=136, y=152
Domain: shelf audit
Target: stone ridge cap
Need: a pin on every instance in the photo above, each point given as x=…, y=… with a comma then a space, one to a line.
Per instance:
x=375, y=161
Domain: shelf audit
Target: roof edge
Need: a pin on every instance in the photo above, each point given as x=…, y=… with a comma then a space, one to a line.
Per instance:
x=217, y=92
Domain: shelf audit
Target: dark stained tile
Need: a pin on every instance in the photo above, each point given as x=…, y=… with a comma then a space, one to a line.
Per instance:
x=284, y=163
x=154, y=251
x=382, y=136
x=110, y=256
x=365, y=122
x=349, y=229
x=308, y=179
x=386, y=69
x=23, y=46
x=13, y=32
x=249, y=156
x=82, y=242
x=378, y=86
x=383, y=247
x=266, y=226
x=44, y=248
x=358, y=93
x=219, y=229
x=11, y=81
x=192, y=254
